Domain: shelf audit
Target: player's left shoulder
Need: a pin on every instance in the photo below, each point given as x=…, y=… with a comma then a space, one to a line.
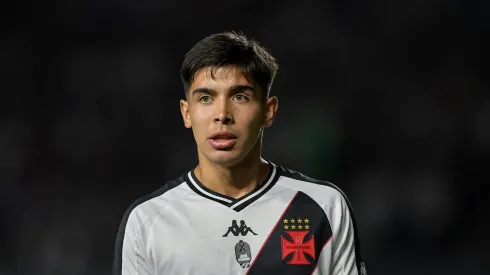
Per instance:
x=322, y=191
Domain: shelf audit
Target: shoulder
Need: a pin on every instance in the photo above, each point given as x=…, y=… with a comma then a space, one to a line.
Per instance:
x=323, y=192
x=338, y=210
x=326, y=194
x=144, y=208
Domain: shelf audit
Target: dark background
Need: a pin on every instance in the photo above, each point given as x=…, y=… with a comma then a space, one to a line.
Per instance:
x=388, y=100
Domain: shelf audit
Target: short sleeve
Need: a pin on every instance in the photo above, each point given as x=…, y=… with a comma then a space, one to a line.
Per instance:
x=347, y=255
x=130, y=256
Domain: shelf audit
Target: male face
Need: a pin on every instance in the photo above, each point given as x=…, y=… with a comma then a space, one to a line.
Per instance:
x=227, y=114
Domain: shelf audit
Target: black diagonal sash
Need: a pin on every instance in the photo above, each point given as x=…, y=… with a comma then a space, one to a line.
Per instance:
x=281, y=254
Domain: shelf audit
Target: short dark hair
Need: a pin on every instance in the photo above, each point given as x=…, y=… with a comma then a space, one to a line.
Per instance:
x=231, y=49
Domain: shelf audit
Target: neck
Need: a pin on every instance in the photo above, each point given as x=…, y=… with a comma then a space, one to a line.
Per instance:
x=234, y=181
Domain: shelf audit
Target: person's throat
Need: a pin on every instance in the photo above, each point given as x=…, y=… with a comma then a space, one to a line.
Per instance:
x=232, y=182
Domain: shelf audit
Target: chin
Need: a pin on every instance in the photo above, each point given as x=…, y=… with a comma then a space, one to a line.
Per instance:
x=225, y=158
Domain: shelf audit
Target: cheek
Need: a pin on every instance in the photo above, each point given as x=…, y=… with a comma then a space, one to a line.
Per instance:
x=253, y=118
x=200, y=116
x=200, y=123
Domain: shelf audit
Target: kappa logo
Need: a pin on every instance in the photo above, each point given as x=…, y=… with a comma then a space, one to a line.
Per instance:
x=236, y=230
x=295, y=252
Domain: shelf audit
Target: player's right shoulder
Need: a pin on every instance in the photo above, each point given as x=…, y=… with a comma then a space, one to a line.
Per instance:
x=144, y=208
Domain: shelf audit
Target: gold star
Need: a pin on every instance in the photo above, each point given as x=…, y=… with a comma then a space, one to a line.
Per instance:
x=300, y=227
x=307, y=221
x=293, y=226
x=286, y=227
x=307, y=227
x=292, y=220
x=285, y=221
x=299, y=220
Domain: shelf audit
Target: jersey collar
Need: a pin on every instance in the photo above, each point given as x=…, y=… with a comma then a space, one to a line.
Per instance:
x=235, y=204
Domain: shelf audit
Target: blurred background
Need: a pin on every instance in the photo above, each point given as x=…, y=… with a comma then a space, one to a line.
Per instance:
x=388, y=100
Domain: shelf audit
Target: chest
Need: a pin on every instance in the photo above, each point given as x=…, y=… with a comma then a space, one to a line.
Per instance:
x=209, y=238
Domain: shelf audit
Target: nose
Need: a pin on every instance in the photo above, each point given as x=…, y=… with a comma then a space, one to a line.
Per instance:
x=223, y=118
x=223, y=113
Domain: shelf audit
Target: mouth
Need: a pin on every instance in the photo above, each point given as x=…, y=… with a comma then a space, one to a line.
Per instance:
x=222, y=140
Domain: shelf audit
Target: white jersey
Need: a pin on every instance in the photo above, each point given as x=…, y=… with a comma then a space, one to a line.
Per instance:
x=290, y=224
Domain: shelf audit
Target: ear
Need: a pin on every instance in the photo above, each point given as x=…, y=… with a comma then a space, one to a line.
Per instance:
x=184, y=110
x=271, y=106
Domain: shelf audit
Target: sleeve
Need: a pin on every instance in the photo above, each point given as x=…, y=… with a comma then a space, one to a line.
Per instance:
x=347, y=258
x=130, y=256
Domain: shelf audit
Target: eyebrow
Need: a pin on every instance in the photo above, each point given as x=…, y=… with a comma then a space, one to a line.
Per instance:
x=233, y=89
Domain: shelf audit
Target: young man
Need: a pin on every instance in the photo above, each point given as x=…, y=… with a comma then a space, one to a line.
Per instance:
x=235, y=212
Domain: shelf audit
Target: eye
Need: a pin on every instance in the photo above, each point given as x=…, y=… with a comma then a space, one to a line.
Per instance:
x=204, y=99
x=241, y=97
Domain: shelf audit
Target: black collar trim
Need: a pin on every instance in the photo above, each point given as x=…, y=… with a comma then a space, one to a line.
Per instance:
x=242, y=202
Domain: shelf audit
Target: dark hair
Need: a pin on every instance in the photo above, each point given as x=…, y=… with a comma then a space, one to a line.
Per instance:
x=231, y=49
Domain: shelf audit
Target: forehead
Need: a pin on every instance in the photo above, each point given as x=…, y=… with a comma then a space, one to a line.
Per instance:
x=219, y=77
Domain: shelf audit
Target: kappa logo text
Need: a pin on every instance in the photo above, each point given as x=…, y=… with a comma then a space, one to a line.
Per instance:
x=236, y=230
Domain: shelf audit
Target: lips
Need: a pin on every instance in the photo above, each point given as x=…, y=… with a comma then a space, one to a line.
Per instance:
x=222, y=140
x=223, y=135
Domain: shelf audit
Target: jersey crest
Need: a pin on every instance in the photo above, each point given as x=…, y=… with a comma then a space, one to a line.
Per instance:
x=302, y=244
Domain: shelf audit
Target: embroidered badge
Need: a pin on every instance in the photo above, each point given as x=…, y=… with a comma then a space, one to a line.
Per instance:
x=243, y=254
x=295, y=251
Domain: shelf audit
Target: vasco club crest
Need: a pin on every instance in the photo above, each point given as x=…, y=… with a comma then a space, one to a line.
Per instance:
x=295, y=251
